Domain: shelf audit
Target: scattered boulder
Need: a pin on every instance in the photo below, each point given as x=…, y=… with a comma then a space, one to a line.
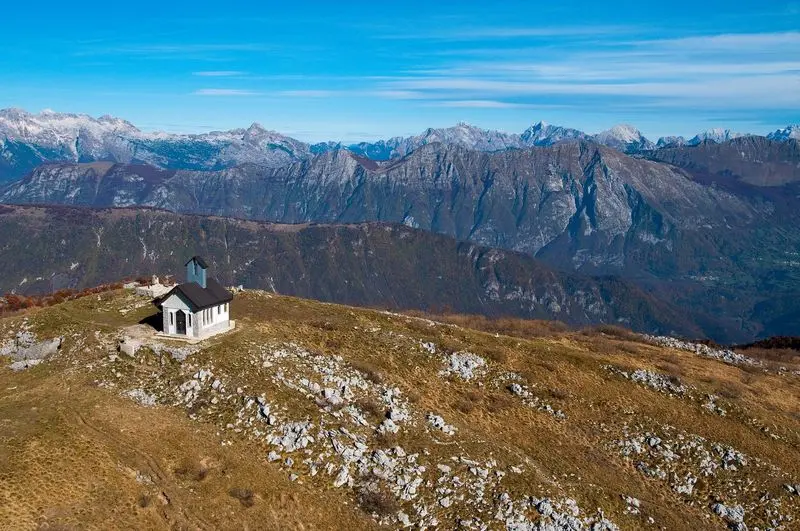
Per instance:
x=129, y=346
x=438, y=422
x=734, y=516
x=26, y=351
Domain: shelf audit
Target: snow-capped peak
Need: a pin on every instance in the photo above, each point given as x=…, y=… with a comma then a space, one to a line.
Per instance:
x=461, y=134
x=787, y=133
x=66, y=136
x=544, y=134
x=717, y=135
x=623, y=133
x=624, y=137
x=671, y=141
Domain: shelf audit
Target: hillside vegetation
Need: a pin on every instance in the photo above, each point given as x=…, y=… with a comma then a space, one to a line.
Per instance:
x=318, y=416
x=46, y=249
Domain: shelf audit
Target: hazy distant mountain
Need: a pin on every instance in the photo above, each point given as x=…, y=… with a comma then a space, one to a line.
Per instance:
x=791, y=132
x=717, y=135
x=544, y=134
x=625, y=138
x=27, y=140
x=671, y=141
x=752, y=160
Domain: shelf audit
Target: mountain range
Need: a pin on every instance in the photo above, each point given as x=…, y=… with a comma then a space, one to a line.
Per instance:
x=28, y=140
x=710, y=226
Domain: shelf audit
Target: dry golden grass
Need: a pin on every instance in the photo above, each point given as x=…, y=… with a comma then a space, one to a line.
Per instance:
x=501, y=325
x=75, y=457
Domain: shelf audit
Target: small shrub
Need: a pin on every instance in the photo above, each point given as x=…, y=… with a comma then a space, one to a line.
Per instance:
x=670, y=369
x=323, y=324
x=730, y=390
x=473, y=395
x=413, y=396
x=559, y=394
x=495, y=403
x=616, y=332
x=371, y=407
x=245, y=496
x=386, y=439
x=143, y=501
x=497, y=356
x=630, y=349
x=192, y=471
x=369, y=371
x=464, y=405
x=377, y=499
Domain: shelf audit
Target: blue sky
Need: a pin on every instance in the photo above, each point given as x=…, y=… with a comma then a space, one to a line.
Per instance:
x=365, y=70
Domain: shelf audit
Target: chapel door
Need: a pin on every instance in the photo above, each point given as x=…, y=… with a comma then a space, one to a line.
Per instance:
x=180, y=322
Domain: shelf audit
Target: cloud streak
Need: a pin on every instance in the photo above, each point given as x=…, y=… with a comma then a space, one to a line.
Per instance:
x=510, y=32
x=218, y=73
x=224, y=92
x=484, y=104
x=690, y=72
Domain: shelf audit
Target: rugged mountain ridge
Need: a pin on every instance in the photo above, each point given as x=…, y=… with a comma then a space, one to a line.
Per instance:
x=392, y=266
x=582, y=206
x=726, y=250
x=28, y=140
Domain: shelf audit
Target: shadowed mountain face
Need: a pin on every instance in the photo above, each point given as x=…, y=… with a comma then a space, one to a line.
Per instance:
x=49, y=248
x=700, y=237
x=752, y=160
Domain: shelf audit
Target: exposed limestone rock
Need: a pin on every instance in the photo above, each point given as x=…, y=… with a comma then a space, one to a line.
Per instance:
x=142, y=397
x=465, y=365
x=438, y=422
x=724, y=355
x=26, y=351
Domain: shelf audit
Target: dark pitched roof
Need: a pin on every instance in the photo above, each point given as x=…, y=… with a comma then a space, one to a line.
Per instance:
x=198, y=296
x=199, y=260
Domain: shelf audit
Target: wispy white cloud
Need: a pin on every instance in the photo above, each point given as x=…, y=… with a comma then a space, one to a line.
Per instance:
x=171, y=50
x=223, y=92
x=218, y=73
x=739, y=42
x=510, y=32
x=761, y=91
x=484, y=104
x=308, y=93
x=741, y=71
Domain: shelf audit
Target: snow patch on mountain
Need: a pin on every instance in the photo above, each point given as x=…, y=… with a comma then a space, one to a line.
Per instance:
x=79, y=137
x=670, y=141
x=717, y=135
x=791, y=132
x=544, y=134
x=625, y=138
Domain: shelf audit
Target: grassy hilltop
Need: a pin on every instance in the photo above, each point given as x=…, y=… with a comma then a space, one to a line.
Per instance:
x=319, y=416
